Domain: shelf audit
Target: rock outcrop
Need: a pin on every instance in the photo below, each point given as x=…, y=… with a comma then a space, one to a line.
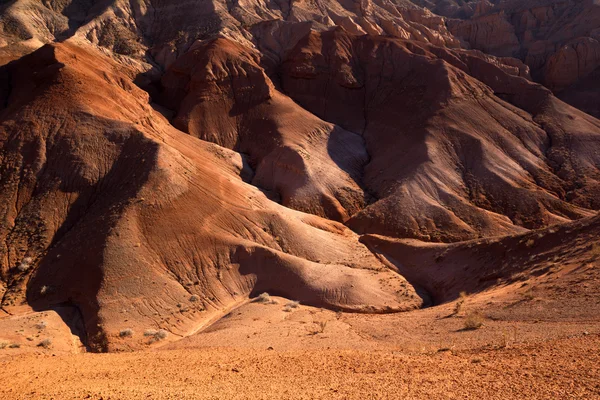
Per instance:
x=559, y=41
x=108, y=208
x=162, y=162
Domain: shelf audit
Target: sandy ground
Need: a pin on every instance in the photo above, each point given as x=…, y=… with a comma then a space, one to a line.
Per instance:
x=560, y=369
x=538, y=339
x=262, y=351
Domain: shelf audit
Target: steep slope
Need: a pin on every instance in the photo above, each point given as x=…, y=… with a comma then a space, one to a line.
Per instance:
x=338, y=131
x=166, y=29
x=473, y=266
x=221, y=94
x=449, y=160
x=558, y=40
x=109, y=208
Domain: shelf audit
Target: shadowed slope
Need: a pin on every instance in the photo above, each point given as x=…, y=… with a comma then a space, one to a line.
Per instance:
x=446, y=270
x=449, y=159
x=221, y=94
x=118, y=213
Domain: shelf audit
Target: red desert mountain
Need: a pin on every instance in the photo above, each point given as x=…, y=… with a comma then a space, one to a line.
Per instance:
x=163, y=162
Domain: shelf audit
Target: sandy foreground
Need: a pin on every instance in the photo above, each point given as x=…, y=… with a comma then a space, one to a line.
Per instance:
x=259, y=351
x=536, y=339
x=559, y=369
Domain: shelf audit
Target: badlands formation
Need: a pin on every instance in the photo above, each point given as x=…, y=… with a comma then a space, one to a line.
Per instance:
x=303, y=199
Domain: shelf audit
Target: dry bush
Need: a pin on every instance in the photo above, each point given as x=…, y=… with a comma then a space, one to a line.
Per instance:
x=194, y=298
x=41, y=325
x=25, y=264
x=46, y=343
x=156, y=335
x=474, y=320
x=318, y=327
x=3, y=345
x=265, y=298
x=460, y=302
x=161, y=334
x=290, y=306
x=127, y=332
x=14, y=346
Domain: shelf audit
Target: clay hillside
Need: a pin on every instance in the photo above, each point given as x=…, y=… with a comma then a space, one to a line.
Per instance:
x=305, y=199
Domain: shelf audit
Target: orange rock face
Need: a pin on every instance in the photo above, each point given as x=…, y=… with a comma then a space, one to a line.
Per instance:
x=161, y=163
x=557, y=40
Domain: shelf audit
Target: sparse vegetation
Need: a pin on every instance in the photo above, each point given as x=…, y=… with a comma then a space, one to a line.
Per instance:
x=4, y=345
x=161, y=334
x=25, y=264
x=317, y=327
x=118, y=38
x=46, y=343
x=156, y=335
x=290, y=306
x=125, y=333
x=194, y=298
x=460, y=302
x=473, y=321
x=265, y=298
x=41, y=325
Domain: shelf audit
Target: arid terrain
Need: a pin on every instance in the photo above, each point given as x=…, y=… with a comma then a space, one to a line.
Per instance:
x=305, y=199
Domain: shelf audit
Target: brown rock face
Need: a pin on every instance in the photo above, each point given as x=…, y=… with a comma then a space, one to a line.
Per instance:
x=305, y=149
x=572, y=62
x=112, y=210
x=423, y=134
x=222, y=95
x=557, y=40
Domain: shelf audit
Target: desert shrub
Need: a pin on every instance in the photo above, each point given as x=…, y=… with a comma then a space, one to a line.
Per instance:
x=25, y=264
x=46, y=343
x=460, y=302
x=127, y=332
x=156, y=335
x=318, y=327
x=291, y=306
x=265, y=298
x=14, y=346
x=194, y=298
x=13, y=26
x=474, y=320
x=3, y=345
x=41, y=325
x=161, y=334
